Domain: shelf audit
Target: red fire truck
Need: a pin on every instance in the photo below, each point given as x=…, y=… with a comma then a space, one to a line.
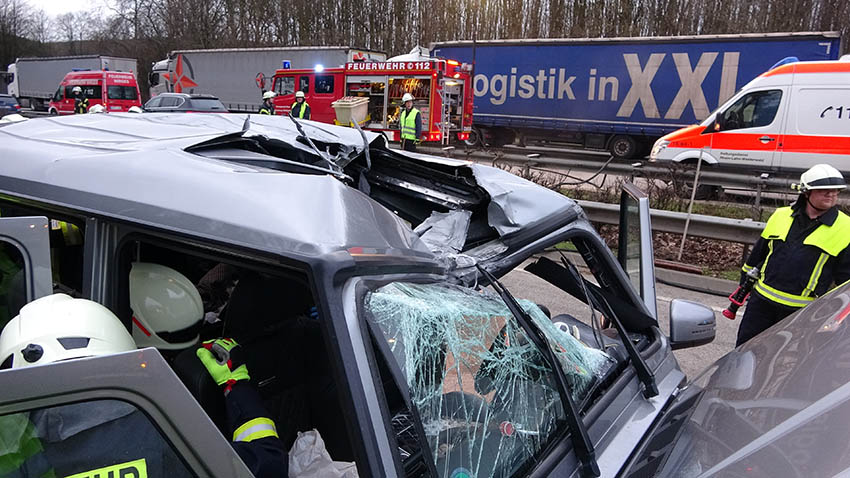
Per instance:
x=442, y=88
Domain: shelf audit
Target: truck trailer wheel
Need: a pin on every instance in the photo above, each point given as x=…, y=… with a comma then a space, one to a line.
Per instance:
x=623, y=146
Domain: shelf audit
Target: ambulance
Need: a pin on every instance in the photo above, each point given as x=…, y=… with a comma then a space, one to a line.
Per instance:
x=115, y=90
x=791, y=117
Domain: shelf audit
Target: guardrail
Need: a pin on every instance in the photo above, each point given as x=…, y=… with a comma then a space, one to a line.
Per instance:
x=733, y=230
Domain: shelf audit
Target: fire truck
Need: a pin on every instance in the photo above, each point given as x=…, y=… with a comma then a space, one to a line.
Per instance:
x=442, y=90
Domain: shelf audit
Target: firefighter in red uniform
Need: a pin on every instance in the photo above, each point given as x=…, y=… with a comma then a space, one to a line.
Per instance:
x=801, y=253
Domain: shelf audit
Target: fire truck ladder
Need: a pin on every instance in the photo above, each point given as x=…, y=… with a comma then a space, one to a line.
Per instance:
x=446, y=120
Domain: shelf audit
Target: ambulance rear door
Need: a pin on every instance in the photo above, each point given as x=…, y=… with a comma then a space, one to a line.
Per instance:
x=747, y=133
x=818, y=125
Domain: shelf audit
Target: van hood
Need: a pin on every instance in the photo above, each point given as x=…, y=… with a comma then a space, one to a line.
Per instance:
x=778, y=406
x=688, y=137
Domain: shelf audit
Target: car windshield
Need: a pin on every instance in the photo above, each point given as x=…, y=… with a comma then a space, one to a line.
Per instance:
x=486, y=397
x=207, y=104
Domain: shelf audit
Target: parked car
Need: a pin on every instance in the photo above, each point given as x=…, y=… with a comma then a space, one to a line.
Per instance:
x=8, y=105
x=184, y=103
x=116, y=91
x=370, y=298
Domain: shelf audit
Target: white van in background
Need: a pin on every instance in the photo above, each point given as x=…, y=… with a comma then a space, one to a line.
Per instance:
x=791, y=117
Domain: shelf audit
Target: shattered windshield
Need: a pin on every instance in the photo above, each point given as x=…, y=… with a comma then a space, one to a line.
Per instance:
x=485, y=395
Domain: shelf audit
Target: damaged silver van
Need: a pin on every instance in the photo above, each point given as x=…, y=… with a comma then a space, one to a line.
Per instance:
x=429, y=317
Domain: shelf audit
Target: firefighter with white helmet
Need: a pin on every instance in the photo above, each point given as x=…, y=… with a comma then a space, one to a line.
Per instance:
x=300, y=109
x=81, y=103
x=410, y=123
x=268, y=105
x=801, y=253
x=167, y=308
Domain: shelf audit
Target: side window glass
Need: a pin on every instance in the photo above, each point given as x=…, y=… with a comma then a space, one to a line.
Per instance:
x=285, y=85
x=324, y=84
x=95, y=438
x=635, y=252
x=170, y=101
x=12, y=282
x=752, y=110
x=154, y=103
x=58, y=95
x=304, y=84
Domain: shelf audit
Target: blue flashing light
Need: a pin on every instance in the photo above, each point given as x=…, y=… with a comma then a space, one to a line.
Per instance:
x=784, y=61
x=319, y=68
x=287, y=64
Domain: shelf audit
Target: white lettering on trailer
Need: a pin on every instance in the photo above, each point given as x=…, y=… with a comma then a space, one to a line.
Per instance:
x=691, y=89
x=565, y=86
x=728, y=76
x=641, y=89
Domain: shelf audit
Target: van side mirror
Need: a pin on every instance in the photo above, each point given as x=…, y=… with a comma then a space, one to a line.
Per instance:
x=691, y=324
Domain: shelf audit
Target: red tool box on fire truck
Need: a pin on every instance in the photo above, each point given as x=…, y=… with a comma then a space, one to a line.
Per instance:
x=442, y=88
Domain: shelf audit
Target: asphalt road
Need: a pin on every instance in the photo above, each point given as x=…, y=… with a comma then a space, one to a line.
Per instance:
x=525, y=285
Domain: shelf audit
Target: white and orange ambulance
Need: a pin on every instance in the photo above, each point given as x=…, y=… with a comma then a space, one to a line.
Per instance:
x=791, y=117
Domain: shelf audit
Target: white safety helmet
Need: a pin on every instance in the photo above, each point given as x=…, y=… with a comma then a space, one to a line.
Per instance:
x=97, y=109
x=407, y=97
x=59, y=327
x=299, y=94
x=269, y=94
x=821, y=176
x=76, y=90
x=167, y=308
x=135, y=109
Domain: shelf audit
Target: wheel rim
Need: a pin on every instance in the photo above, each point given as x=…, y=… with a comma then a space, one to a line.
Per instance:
x=474, y=138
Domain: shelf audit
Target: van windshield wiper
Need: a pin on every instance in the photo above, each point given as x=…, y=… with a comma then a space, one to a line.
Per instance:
x=582, y=445
x=594, y=296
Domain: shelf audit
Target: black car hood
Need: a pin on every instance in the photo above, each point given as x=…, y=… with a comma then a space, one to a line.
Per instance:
x=778, y=406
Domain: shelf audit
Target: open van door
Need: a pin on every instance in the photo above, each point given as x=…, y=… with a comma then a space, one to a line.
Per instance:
x=25, y=273
x=634, y=250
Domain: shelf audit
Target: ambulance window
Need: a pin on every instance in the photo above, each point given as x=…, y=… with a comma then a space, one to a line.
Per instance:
x=58, y=95
x=324, y=84
x=84, y=439
x=304, y=84
x=12, y=283
x=285, y=85
x=89, y=91
x=117, y=92
x=752, y=110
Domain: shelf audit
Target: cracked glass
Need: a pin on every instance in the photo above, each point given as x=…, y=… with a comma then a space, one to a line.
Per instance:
x=485, y=395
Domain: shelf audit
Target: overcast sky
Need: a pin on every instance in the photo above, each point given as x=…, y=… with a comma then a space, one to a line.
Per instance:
x=58, y=7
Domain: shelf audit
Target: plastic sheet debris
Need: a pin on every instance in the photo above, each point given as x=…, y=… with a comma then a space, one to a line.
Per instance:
x=445, y=232
x=308, y=458
x=486, y=396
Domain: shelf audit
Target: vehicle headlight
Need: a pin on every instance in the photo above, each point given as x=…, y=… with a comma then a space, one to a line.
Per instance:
x=657, y=148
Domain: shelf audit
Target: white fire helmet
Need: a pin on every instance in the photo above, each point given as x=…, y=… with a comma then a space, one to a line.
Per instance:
x=76, y=90
x=167, y=308
x=407, y=97
x=97, y=109
x=268, y=95
x=822, y=176
x=299, y=94
x=58, y=327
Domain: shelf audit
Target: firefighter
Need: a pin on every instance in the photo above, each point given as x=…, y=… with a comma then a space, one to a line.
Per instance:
x=410, y=123
x=802, y=251
x=83, y=439
x=300, y=109
x=81, y=103
x=268, y=106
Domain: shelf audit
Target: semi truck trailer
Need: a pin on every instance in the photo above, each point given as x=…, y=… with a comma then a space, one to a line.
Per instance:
x=615, y=94
x=238, y=76
x=34, y=80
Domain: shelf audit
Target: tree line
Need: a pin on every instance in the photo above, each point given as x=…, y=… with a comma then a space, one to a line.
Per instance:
x=149, y=29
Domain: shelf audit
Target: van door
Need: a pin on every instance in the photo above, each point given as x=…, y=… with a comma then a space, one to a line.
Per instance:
x=747, y=132
x=634, y=250
x=818, y=127
x=25, y=271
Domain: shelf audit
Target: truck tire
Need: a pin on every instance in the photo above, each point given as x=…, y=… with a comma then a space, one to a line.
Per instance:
x=53, y=112
x=623, y=146
x=474, y=138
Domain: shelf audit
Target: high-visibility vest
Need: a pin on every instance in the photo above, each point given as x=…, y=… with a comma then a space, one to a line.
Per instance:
x=81, y=106
x=407, y=121
x=266, y=109
x=831, y=240
x=300, y=114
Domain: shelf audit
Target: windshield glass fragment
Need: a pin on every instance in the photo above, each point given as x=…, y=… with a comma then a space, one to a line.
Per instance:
x=486, y=397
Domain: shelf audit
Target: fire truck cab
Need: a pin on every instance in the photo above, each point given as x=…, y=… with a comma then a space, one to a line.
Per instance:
x=442, y=88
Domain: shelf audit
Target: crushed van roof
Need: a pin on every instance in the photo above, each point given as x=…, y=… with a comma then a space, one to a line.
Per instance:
x=136, y=167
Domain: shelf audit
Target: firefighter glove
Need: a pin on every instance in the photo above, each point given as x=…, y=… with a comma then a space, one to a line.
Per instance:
x=223, y=359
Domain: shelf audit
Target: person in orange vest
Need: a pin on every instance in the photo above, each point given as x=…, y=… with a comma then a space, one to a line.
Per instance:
x=300, y=109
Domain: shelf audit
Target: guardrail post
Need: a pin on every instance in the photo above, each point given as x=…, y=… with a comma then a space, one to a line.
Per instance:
x=690, y=206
